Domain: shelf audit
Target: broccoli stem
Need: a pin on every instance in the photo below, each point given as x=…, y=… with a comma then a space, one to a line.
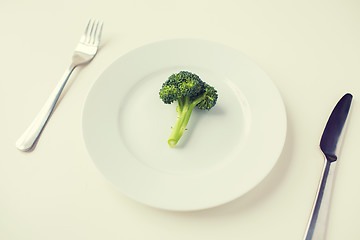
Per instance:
x=184, y=110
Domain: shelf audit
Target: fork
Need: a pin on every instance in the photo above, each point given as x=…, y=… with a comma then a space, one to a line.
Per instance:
x=84, y=52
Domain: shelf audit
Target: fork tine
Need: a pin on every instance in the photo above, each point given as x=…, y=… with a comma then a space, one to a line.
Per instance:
x=90, y=31
x=84, y=36
x=98, y=32
x=93, y=32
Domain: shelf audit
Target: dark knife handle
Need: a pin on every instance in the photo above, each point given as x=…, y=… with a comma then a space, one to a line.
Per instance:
x=316, y=228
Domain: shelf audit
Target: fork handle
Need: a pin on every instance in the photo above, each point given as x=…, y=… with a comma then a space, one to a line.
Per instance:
x=31, y=135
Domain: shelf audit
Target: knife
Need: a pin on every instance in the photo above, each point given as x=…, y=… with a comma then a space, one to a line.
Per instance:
x=329, y=144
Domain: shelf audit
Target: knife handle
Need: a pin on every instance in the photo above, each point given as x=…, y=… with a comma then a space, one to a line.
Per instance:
x=316, y=228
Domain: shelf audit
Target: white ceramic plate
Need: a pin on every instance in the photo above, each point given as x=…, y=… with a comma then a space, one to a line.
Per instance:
x=224, y=153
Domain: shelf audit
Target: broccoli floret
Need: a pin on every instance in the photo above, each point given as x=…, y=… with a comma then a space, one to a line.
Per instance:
x=189, y=91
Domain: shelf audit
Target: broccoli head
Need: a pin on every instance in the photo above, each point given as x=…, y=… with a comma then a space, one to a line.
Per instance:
x=188, y=90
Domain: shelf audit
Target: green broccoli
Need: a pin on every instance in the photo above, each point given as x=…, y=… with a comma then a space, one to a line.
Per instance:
x=189, y=91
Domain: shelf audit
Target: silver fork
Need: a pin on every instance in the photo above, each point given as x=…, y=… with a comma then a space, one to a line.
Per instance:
x=84, y=52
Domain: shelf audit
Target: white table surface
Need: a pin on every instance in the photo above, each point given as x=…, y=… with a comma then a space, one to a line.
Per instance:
x=310, y=49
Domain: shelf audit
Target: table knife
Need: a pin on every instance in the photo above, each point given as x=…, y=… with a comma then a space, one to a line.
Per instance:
x=329, y=144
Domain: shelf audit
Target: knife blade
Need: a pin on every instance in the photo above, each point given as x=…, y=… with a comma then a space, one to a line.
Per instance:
x=330, y=143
